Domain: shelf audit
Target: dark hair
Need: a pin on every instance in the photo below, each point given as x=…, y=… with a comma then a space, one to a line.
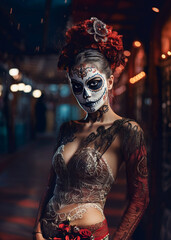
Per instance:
x=92, y=56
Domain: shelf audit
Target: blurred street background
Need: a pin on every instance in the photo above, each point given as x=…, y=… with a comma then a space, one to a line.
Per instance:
x=35, y=98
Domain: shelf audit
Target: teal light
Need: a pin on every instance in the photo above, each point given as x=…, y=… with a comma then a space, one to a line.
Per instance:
x=65, y=90
x=61, y=2
x=53, y=88
x=39, y=2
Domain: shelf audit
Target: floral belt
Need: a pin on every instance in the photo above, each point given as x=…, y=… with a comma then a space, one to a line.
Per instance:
x=65, y=231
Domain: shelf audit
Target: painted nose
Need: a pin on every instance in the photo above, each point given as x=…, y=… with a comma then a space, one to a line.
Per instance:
x=86, y=94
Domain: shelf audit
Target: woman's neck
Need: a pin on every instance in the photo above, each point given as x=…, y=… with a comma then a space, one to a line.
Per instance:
x=104, y=115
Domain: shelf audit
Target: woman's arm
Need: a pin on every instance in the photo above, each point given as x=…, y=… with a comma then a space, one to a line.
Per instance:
x=137, y=183
x=48, y=192
x=45, y=198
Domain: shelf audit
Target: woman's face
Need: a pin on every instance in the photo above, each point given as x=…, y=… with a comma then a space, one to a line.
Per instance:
x=89, y=86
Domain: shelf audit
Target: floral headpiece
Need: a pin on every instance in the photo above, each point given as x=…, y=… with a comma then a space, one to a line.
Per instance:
x=92, y=34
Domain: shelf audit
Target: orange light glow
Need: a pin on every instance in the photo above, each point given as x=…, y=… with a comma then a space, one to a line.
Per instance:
x=137, y=77
x=163, y=56
x=137, y=44
x=18, y=77
x=155, y=9
x=127, y=53
x=18, y=26
x=169, y=53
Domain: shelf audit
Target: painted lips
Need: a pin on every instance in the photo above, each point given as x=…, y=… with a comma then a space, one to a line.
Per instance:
x=92, y=104
x=89, y=104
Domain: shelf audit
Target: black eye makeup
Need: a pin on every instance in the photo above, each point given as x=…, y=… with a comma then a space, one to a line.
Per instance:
x=95, y=83
x=77, y=87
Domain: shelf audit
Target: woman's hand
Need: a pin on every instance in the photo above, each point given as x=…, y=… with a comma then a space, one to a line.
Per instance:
x=37, y=233
x=38, y=236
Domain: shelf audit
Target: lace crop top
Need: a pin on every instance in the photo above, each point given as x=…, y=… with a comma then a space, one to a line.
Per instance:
x=87, y=178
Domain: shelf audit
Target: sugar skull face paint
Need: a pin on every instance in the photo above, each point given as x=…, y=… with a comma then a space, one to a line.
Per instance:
x=89, y=87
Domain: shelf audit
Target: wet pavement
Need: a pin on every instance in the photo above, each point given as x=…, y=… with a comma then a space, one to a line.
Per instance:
x=23, y=176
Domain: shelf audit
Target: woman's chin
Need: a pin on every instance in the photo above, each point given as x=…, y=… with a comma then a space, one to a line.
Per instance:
x=91, y=109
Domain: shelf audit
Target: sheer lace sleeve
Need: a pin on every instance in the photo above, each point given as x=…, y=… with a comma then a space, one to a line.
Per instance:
x=48, y=191
x=137, y=180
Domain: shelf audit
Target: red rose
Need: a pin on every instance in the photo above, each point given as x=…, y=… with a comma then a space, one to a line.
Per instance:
x=93, y=45
x=64, y=227
x=85, y=233
x=67, y=237
x=77, y=238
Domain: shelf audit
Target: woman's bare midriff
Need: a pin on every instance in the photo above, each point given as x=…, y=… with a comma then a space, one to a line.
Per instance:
x=90, y=217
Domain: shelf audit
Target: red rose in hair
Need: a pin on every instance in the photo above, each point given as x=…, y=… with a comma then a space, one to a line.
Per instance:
x=92, y=34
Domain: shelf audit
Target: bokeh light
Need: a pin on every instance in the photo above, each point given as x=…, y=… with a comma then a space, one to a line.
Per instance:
x=27, y=88
x=65, y=90
x=14, y=88
x=163, y=56
x=37, y=93
x=21, y=86
x=155, y=9
x=13, y=72
x=137, y=44
x=137, y=77
x=169, y=53
x=127, y=53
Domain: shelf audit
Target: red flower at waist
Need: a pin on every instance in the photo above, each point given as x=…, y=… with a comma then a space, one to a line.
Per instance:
x=65, y=231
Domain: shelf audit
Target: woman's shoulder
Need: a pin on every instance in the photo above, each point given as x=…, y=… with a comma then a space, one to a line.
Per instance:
x=131, y=132
x=126, y=124
x=132, y=135
x=66, y=124
x=69, y=127
x=131, y=125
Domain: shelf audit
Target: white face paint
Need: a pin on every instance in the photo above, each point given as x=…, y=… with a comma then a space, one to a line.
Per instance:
x=89, y=87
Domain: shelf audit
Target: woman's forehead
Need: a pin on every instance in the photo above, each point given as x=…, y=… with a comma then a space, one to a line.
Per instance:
x=85, y=71
x=87, y=64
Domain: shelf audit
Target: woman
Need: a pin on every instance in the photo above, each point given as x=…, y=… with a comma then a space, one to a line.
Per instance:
x=90, y=152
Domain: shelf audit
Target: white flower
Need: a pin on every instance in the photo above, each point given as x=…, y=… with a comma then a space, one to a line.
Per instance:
x=98, y=29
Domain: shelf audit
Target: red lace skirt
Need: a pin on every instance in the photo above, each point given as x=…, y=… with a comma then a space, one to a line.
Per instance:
x=99, y=231
x=65, y=231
